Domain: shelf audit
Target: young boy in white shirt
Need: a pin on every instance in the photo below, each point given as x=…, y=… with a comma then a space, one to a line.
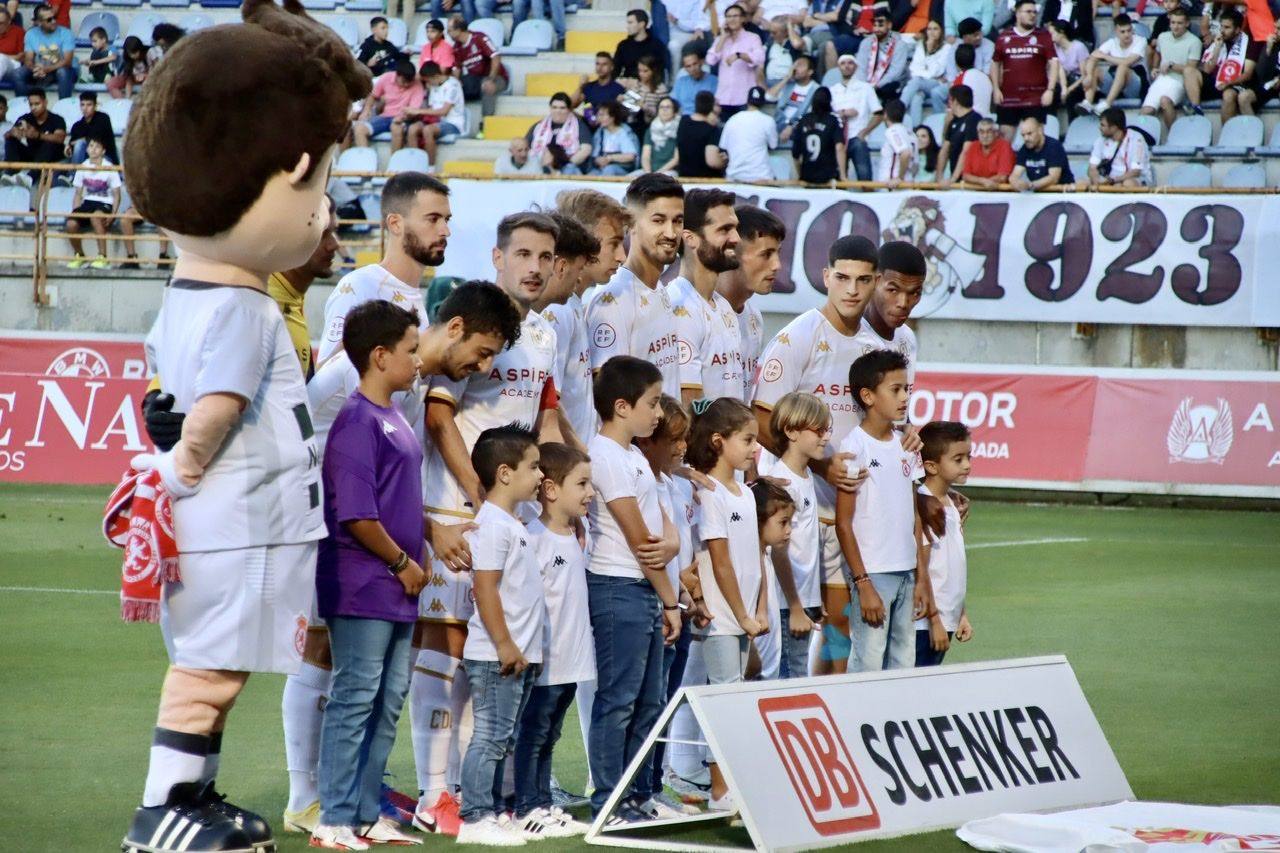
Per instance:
x=946, y=455
x=878, y=526
x=899, y=152
x=504, y=634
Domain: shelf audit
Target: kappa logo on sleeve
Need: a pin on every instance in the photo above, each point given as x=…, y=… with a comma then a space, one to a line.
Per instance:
x=818, y=764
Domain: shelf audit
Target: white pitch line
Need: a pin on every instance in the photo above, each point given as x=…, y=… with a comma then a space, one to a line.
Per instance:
x=59, y=590
x=1016, y=542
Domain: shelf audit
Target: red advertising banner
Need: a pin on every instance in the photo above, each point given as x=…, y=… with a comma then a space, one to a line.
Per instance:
x=87, y=356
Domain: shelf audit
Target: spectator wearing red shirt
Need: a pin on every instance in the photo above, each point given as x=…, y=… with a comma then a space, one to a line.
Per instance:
x=989, y=163
x=11, y=47
x=1024, y=68
x=61, y=11
x=478, y=65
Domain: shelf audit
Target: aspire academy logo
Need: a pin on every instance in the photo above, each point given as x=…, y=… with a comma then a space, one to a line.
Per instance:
x=818, y=764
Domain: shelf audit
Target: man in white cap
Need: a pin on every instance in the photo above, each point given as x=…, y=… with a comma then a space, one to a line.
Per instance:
x=855, y=102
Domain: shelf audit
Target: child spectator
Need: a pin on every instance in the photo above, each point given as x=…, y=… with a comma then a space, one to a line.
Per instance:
x=97, y=192
x=443, y=115
x=878, y=528
x=898, y=154
x=438, y=49
x=396, y=94
x=368, y=576
x=800, y=424
x=376, y=53
x=131, y=69
x=568, y=656
x=946, y=463
x=91, y=123
x=163, y=38
x=722, y=443
x=775, y=515
x=658, y=154
x=817, y=146
x=97, y=67
x=505, y=633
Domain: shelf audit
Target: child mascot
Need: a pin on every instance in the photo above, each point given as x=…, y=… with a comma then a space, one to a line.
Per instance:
x=228, y=151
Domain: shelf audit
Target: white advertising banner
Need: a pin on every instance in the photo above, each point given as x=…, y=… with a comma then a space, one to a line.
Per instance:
x=1089, y=258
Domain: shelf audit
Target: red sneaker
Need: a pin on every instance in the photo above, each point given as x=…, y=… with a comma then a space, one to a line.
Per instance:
x=444, y=817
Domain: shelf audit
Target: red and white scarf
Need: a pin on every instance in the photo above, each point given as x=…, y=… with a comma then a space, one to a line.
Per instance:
x=1231, y=66
x=139, y=519
x=543, y=135
x=880, y=59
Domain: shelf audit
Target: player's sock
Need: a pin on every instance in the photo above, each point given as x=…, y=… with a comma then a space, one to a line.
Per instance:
x=302, y=709
x=175, y=757
x=463, y=725
x=212, y=760
x=585, y=696
x=430, y=687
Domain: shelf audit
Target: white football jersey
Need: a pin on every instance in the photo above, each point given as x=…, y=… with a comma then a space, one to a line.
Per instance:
x=626, y=317
x=573, y=364
x=751, y=332
x=904, y=342
x=708, y=342
x=362, y=285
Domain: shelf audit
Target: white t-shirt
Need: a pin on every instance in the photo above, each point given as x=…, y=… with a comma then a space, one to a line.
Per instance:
x=979, y=82
x=626, y=317
x=335, y=381
x=731, y=517
x=804, y=550
x=449, y=92
x=262, y=487
x=904, y=343
x=569, y=652
x=948, y=568
x=357, y=287
x=747, y=137
x=511, y=392
x=884, y=514
x=684, y=515
x=896, y=140
x=858, y=95
x=573, y=364
x=619, y=472
x=98, y=186
x=500, y=543
x=709, y=342
x=1127, y=154
x=1137, y=47
x=751, y=333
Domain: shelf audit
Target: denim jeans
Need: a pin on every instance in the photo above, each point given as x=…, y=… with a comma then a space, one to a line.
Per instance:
x=893, y=644
x=25, y=81
x=520, y=12
x=370, y=680
x=726, y=657
x=536, y=738
x=795, y=650
x=626, y=621
x=471, y=9
x=860, y=157
x=497, y=702
x=925, y=655
x=674, y=657
x=919, y=88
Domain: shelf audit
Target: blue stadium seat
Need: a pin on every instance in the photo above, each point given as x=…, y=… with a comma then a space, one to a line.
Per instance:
x=935, y=122
x=397, y=32
x=57, y=204
x=107, y=20
x=195, y=21
x=1050, y=129
x=1245, y=176
x=831, y=78
x=142, y=25
x=491, y=27
x=220, y=4
x=406, y=160
x=1151, y=124
x=1239, y=135
x=117, y=109
x=419, y=38
x=1187, y=136
x=1190, y=175
x=357, y=159
x=875, y=139
x=364, y=5
x=17, y=109
x=320, y=5
x=14, y=201
x=1081, y=134
x=176, y=4
x=371, y=203
x=345, y=27
x=68, y=109
x=1272, y=150
x=781, y=166
x=531, y=37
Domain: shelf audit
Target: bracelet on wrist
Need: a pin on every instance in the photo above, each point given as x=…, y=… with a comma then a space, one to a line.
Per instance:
x=861, y=580
x=675, y=606
x=400, y=564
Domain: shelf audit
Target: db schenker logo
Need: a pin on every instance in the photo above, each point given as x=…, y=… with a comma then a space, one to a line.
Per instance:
x=818, y=764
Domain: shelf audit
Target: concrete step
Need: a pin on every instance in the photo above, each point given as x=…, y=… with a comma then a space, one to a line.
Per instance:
x=523, y=105
x=471, y=149
x=560, y=63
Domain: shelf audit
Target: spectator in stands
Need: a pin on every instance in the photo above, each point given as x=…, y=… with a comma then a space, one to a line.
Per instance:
x=600, y=91
x=693, y=79
x=97, y=192
x=396, y=96
x=659, y=153
x=847, y=26
x=38, y=137
x=642, y=96
x=478, y=64
x=1072, y=56
x=785, y=46
x=959, y=11
x=91, y=125
x=1078, y=18
x=1174, y=63
x=61, y=11
x=738, y=53
x=1121, y=156
x=561, y=142
x=516, y=160
x=96, y=67
x=855, y=102
x=131, y=70
x=960, y=131
x=690, y=23
x=1041, y=162
x=978, y=83
x=911, y=17
x=1267, y=71
x=898, y=154
x=929, y=80
x=747, y=138
x=444, y=114
x=927, y=145
x=971, y=33
x=817, y=144
x=163, y=38
x=614, y=148
x=1161, y=26
x=1024, y=70
x=438, y=49
x=520, y=13
x=794, y=95
x=987, y=164
x=792, y=11
x=5, y=124
x=48, y=56
x=1231, y=59
x=638, y=43
x=11, y=46
x=698, y=141
x=883, y=59
x=1118, y=66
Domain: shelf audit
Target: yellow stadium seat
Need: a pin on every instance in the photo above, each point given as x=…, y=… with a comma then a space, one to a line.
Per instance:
x=592, y=41
x=507, y=127
x=467, y=167
x=547, y=84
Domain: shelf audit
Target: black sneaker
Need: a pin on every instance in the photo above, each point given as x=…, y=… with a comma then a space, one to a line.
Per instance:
x=131, y=263
x=184, y=822
x=254, y=826
x=628, y=811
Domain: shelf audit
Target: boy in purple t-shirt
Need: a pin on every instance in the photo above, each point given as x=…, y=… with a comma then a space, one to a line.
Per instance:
x=368, y=576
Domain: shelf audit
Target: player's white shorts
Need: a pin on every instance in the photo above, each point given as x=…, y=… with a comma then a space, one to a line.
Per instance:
x=243, y=609
x=1168, y=86
x=833, y=565
x=448, y=596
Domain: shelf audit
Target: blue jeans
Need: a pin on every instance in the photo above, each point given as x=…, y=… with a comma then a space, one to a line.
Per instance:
x=674, y=658
x=536, y=738
x=919, y=88
x=520, y=12
x=613, y=169
x=795, y=650
x=26, y=81
x=472, y=9
x=497, y=702
x=893, y=644
x=859, y=157
x=370, y=680
x=626, y=621
x=925, y=655
x=659, y=26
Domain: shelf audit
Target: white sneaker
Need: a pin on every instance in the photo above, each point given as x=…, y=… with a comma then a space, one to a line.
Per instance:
x=667, y=803
x=336, y=838
x=539, y=824
x=568, y=823
x=723, y=804
x=1100, y=107
x=387, y=831
x=688, y=792
x=489, y=833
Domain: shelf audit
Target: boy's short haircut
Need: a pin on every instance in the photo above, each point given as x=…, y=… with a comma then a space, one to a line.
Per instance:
x=770, y=499
x=755, y=222
x=97, y=31
x=88, y=96
x=604, y=54
x=373, y=324
x=698, y=202
x=484, y=308
x=674, y=423
x=704, y=103
x=1121, y=20
x=853, y=247
x=797, y=410
x=901, y=256
x=430, y=68
x=652, y=186
x=38, y=92
x=623, y=377
x=961, y=94
x=375, y=20
x=969, y=26
x=895, y=111
x=504, y=445
x=558, y=460
x=590, y=206
x=513, y=222
x=870, y=370
x=640, y=15
x=937, y=436
x=573, y=241
x=404, y=70
x=403, y=187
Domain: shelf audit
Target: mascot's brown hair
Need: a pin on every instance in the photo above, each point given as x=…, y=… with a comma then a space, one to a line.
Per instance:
x=232, y=106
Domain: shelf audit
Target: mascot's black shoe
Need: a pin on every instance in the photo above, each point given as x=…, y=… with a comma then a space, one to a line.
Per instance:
x=185, y=824
x=253, y=825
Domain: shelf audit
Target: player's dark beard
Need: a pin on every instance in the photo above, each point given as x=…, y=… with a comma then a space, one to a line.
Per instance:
x=422, y=254
x=717, y=260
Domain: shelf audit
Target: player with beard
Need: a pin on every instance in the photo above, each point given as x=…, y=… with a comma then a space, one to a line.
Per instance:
x=520, y=387
x=759, y=259
x=631, y=315
x=708, y=339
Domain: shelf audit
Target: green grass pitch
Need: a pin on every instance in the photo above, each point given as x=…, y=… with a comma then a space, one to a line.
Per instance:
x=1169, y=617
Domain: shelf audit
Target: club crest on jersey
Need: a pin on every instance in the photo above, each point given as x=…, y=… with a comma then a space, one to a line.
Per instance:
x=604, y=335
x=784, y=339
x=523, y=544
x=1200, y=433
x=772, y=370
x=299, y=634
x=906, y=467
x=686, y=351
x=823, y=346
x=607, y=299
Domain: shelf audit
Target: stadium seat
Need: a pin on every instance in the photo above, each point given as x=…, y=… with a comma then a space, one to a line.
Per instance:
x=1051, y=126
x=590, y=42
x=1273, y=149
x=58, y=204
x=107, y=20
x=357, y=159
x=935, y=122
x=545, y=84
x=142, y=25
x=419, y=38
x=409, y=160
x=1151, y=124
x=454, y=168
x=364, y=5
x=397, y=32
x=1190, y=176
x=195, y=21
x=371, y=203
x=491, y=27
x=875, y=139
x=14, y=201
x=1187, y=136
x=781, y=166
x=132, y=4
x=1245, y=176
x=68, y=109
x=503, y=128
x=1080, y=168
x=1239, y=136
x=17, y=109
x=831, y=78
x=345, y=27
x=1081, y=134
x=531, y=37
x=176, y=4
x=320, y=5
x=220, y=4
x=117, y=109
